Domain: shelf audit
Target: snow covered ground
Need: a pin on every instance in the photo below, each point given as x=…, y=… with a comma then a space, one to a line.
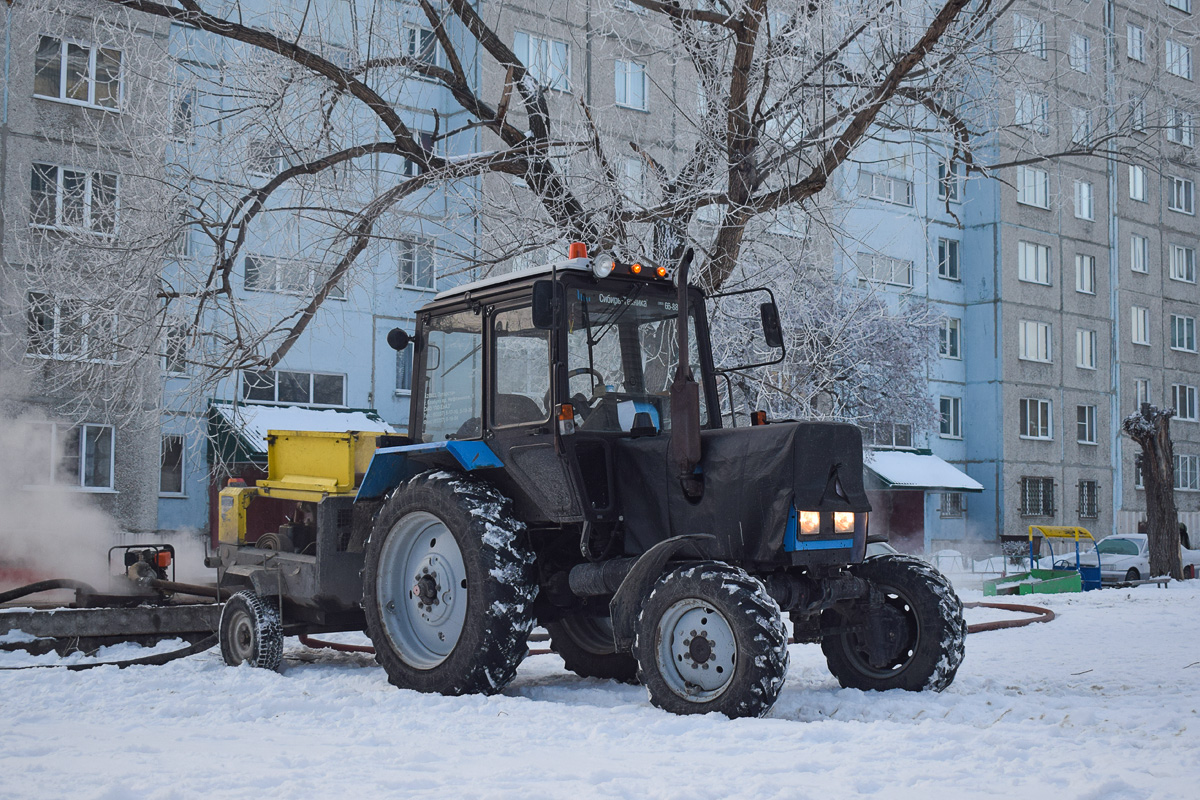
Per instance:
x=1103, y=703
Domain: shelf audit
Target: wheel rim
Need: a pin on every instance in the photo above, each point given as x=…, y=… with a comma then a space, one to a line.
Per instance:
x=241, y=636
x=697, y=651
x=422, y=590
x=856, y=648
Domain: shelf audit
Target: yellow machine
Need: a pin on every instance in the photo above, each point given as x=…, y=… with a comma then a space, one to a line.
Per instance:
x=308, y=466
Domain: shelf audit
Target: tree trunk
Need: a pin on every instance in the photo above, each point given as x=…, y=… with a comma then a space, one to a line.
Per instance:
x=1150, y=428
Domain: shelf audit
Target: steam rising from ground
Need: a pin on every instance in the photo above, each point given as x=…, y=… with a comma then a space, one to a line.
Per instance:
x=46, y=528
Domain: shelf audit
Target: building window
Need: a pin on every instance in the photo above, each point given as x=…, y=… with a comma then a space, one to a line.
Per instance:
x=170, y=475
x=1141, y=325
x=631, y=84
x=1141, y=391
x=75, y=72
x=1085, y=349
x=1137, y=113
x=1139, y=478
x=1137, y=183
x=1033, y=187
x=1187, y=473
x=294, y=388
x=1183, y=333
x=885, y=188
x=1183, y=263
x=73, y=199
x=1081, y=126
x=1181, y=127
x=1029, y=35
x=1089, y=500
x=183, y=115
x=887, y=434
x=1135, y=42
x=424, y=140
x=631, y=179
x=1181, y=195
x=1034, y=341
x=82, y=456
x=414, y=259
x=264, y=158
x=175, y=340
x=1085, y=274
x=1139, y=253
x=1084, y=204
x=1178, y=59
x=1035, y=419
x=69, y=329
x=404, y=370
x=1033, y=262
x=284, y=276
x=949, y=338
x=1183, y=398
x=1033, y=111
x=1085, y=424
x=948, y=259
x=1037, y=497
x=1080, y=55
x=548, y=60
x=951, y=409
x=1183, y=5
x=949, y=182
x=952, y=506
x=421, y=45
x=885, y=269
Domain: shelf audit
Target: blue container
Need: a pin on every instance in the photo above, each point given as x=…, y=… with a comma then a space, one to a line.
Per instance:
x=1090, y=577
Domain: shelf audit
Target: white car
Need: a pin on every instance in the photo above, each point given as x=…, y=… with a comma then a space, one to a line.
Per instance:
x=1126, y=557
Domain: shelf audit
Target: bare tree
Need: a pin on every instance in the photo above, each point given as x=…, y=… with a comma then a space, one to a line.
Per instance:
x=1150, y=427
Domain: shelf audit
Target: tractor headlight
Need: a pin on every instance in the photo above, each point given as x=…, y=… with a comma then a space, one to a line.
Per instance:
x=602, y=265
x=843, y=522
x=810, y=522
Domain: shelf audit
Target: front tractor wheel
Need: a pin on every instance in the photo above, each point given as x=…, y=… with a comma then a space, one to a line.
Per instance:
x=448, y=587
x=913, y=640
x=710, y=638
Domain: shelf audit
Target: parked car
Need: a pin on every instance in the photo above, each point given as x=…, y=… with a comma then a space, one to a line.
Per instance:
x=880, y=549
x=1126, y=557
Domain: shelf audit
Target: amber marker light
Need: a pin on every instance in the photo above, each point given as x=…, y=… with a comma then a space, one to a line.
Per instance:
x=635, y=268
x=577, y=250
x=661, y=272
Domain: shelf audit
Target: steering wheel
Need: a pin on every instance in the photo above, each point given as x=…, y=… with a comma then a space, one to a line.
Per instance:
x=574, y=373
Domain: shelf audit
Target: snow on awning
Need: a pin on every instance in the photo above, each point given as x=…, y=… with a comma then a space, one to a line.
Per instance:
x=901, y=469
x=248, y=425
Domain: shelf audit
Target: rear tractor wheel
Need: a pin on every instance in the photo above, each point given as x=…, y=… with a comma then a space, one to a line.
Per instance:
x=250, y=631
x=585, y=643
x=919, y=629
x=448, y=586
x=710, y=638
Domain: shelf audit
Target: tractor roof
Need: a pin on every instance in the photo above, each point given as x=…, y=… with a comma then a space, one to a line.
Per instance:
x=568, y=264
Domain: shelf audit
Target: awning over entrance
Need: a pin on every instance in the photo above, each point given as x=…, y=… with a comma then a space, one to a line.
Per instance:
x=905, y=469
x=240, y=431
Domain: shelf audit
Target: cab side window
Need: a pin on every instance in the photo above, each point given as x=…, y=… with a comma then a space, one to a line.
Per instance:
x=453, y=352
x=522, y=369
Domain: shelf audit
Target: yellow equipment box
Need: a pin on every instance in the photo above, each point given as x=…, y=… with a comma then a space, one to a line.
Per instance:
x=312, y=465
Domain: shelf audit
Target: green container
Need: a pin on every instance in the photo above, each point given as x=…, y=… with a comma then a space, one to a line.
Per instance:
x=1037, y=581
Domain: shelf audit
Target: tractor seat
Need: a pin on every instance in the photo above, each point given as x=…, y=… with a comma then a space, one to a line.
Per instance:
x=515, y=409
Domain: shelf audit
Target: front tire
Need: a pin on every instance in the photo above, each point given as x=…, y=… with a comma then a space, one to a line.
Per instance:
x=710, y=638
x=925, y=630
x=1132, y=575
x=448, y=586
x=250, y=631
x=585, y=643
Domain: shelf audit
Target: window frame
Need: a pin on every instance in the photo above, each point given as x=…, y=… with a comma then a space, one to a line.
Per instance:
x=88, y=210
x=1032, y=111
x=60, y=458
x=950, y=338
x=280, y=286
x=536, y=69
x=1085, y=273
x=312, y=376
x=1134, y=252
x=1035, y=181
x=1130, y=28
x=1085, y=200
x=1029, y=35
x=949, y=184
x=1027, y=273
x=1079, y=53
x=1181, y=195
x=57, y=350
x=1181, y=64
x=949, y=264
x=1085, y=425
x=1089, y=499
x=93, y=51
x=1085, y=348
x=1186, y=411
x=950, y=412
x=1181, y=126
x=1183, y=333
x=182, y=492
x=1182, y=261
x=893, y=265
x=1137, y=184
x=1144, y=314
x=415, y=243
x=1046, y=506
x=1044, y=335
x=1187, y=478
x=1042, y=422
x=623, y=79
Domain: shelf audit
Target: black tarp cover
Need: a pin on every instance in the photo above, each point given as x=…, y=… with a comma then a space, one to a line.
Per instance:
x=752, y=478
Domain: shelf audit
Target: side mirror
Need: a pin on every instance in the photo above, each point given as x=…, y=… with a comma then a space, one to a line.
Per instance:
x=772, y=329
x=398, y=339
x=543, y=304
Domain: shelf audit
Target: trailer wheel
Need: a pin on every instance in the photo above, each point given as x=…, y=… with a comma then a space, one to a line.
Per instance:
x=585, y=643
x=710, y=638
x=925, y=631
x=448, y=586
x=251, y=632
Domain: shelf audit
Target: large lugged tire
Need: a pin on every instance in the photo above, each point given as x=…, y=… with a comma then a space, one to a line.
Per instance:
x=585, y=643
x=923, y=611
x=250, y=631
x=448, y=586
x=710, y=638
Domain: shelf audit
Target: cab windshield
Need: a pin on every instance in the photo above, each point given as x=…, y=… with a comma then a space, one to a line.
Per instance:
x=621, y=355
